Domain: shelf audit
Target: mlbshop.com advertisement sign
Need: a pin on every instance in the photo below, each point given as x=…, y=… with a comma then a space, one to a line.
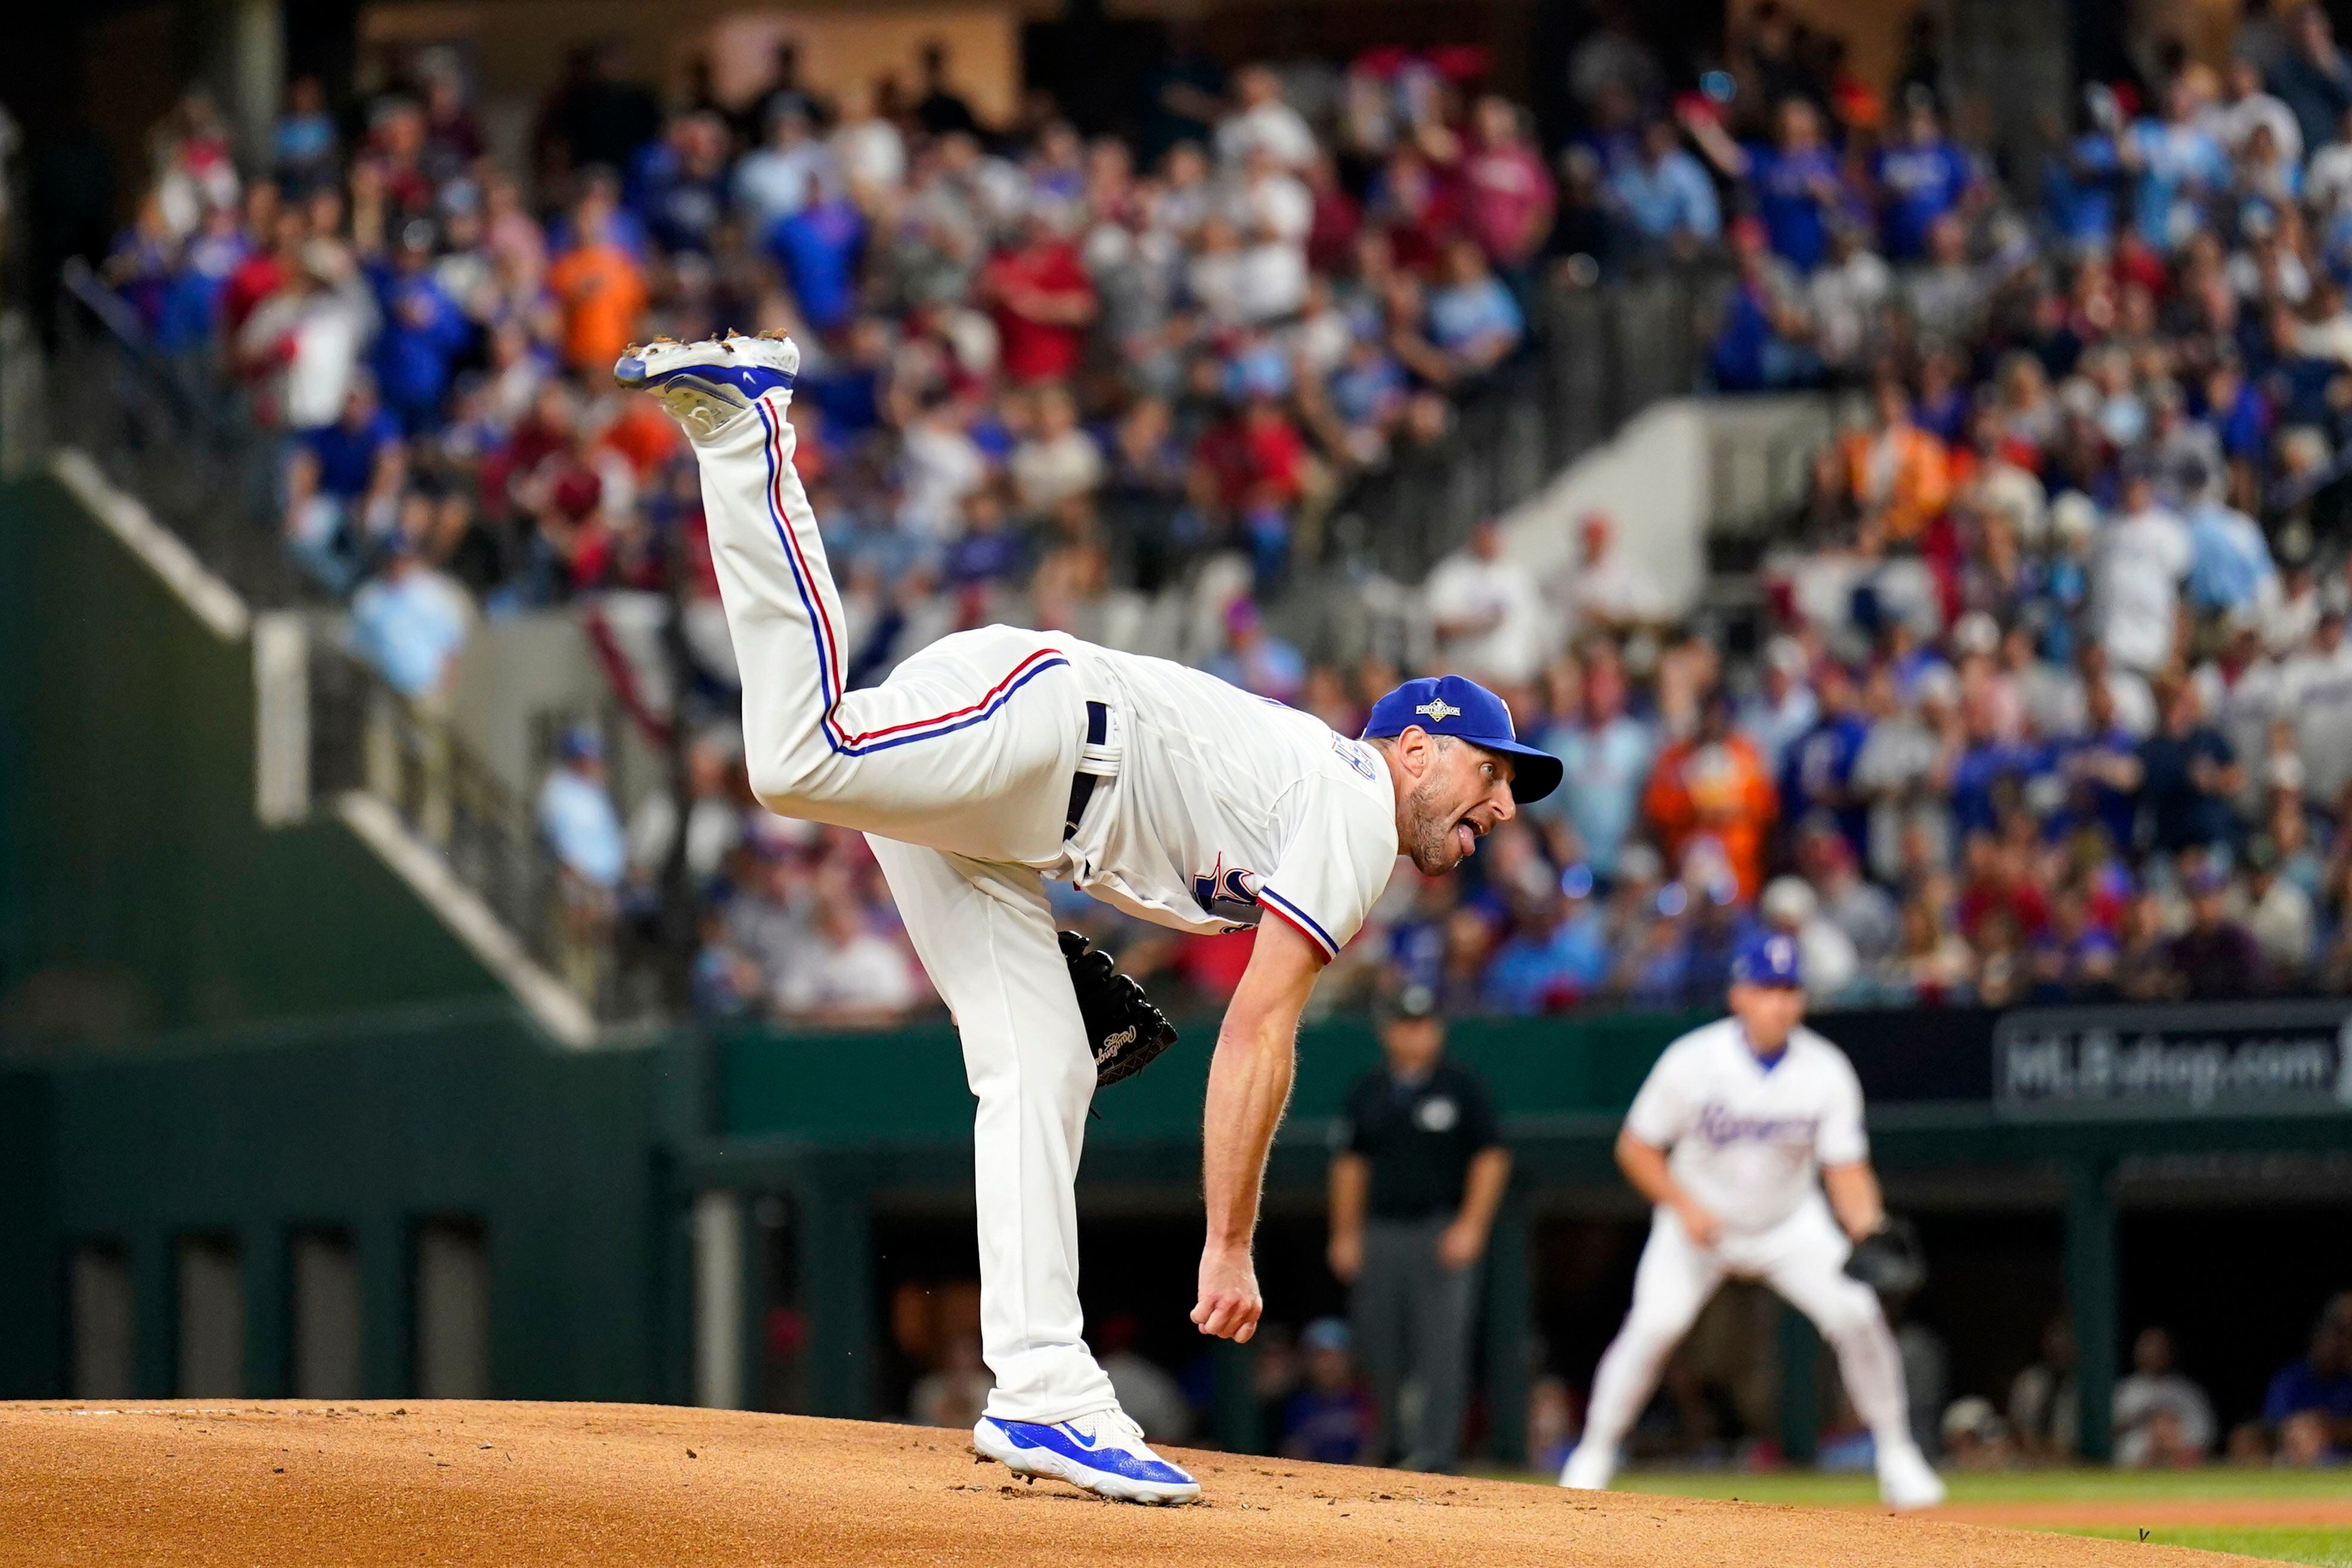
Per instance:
x=2256, y=1058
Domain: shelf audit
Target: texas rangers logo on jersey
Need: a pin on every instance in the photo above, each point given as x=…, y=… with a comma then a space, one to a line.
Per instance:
x=1720, y=1125
x=1439, y=710
x=1352, y=753
x=1228, y=892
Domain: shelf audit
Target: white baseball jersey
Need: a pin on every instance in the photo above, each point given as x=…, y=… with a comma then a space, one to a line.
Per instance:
x=1749, y=1137
x=1226, y=804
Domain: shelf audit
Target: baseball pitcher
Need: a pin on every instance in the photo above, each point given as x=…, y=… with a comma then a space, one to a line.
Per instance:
x=1735, y=1134
x=999, y=757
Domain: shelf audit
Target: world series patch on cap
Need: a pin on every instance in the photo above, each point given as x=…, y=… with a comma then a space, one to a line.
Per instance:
x=1770, y=959
x=1457, y=706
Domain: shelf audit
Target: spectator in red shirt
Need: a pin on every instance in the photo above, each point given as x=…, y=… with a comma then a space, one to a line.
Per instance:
x=1506, y=192
x=2000, y=883
x=1042, y=300
x=267, y=269
x=1256, y=455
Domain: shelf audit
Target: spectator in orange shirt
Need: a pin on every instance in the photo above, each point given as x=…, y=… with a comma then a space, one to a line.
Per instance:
x=597, y=286
x=1894, y=469
x=1714, y=785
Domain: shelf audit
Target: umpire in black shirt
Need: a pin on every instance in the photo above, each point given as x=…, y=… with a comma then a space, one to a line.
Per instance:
x=1416, y=1176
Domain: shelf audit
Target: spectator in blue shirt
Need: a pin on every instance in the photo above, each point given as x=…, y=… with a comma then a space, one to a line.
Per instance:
x=1559, y=954
x=1606, y=753
x=2102, y=771
x=1817, y=770
x=1473, y=319
x=2085, y=181
x=1794, y=181
x=409, y=622
x=1987, y=762
x=334, y=475
x=1922, y=175
x=425, y=331
x=2190, y=775
x=1763, y=343
x=2177, y=166
x=2229, y=562
x=1665, y=197
x=1329, y=1418
x=2309, y=1403
x=817, y=247
x=576, y=814
x=679, y=188
x=987, y=552
x=190, y=308
x=2234, y=407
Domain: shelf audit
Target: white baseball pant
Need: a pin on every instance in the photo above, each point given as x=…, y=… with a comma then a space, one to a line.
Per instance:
x=958, y=769
x=1802, y=1258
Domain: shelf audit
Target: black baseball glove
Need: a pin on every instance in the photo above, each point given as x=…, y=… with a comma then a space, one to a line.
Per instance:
x=1889, y=1260
x=1124, y=1029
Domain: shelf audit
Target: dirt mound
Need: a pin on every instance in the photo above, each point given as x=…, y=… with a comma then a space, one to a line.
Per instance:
x=616, y=1486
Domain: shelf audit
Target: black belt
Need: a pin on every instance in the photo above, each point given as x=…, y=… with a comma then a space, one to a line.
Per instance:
x=1082, y=784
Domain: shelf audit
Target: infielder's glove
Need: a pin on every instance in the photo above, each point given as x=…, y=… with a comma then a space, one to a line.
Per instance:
x=1124, y=1029
x=1889, y=1260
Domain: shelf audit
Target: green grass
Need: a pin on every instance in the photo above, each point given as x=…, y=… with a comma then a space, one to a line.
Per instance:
x=1811, y=1490
x=2319, y=1546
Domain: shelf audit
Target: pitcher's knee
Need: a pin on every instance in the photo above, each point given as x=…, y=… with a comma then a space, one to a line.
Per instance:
x=781, y=783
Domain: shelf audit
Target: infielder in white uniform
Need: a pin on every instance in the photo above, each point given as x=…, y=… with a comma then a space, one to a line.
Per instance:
x=997, y=758
x=1735, y=1135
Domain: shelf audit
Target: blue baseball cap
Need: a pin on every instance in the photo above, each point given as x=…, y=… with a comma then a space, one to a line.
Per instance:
x=1768, y=958
x=1457, y=706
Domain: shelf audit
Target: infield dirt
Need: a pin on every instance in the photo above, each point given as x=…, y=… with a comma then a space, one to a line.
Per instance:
x=623, y=1486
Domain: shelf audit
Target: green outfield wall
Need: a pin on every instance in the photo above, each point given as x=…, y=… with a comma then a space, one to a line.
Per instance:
x=137, y=889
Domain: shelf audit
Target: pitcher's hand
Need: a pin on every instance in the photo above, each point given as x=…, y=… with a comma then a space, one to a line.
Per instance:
x=1229, y=1304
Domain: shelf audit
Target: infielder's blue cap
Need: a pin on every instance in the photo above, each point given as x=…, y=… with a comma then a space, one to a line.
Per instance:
x=1457, y=706
x=1768, y=958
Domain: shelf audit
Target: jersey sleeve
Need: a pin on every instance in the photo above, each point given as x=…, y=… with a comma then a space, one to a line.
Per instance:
x=1841, y=1141
x=1336, y=866
x=1661, y=1112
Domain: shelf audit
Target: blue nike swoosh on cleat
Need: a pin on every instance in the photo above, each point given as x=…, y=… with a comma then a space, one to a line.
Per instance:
x=1116, y=1461
x=749, y=380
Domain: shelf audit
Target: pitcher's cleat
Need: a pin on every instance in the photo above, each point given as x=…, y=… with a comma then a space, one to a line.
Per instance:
x=708, y=384
x=1590, y=1468
x=1103, y=1453
x=1906, y=1481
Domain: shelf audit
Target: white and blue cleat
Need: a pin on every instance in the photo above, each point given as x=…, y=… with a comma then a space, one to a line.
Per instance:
x=1103, y=1453
x=710, y=383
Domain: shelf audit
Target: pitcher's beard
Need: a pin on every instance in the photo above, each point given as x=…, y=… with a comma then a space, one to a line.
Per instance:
x=1432, y=851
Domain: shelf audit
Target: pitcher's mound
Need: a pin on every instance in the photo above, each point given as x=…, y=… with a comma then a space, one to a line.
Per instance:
x=616, y=1486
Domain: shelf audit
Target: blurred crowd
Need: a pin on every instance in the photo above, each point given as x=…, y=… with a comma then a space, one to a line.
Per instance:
x=2049, y=698
x=2162, y=1418
x=1108, y=385
x=2048, y=695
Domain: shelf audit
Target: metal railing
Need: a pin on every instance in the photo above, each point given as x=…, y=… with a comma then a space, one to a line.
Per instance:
x=362, y=735
x=1597, y=357
x=171, y=430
